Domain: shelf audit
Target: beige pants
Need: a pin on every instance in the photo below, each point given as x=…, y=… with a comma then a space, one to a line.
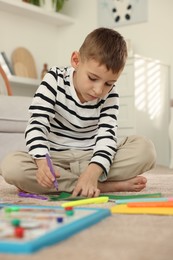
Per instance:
x=135, y=155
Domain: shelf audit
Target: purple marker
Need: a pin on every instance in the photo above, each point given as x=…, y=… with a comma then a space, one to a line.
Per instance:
x=31, y=195
x=52, y=171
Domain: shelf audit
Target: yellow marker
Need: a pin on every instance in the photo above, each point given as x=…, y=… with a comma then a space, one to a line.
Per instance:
x=85, y=201
x=124, y=209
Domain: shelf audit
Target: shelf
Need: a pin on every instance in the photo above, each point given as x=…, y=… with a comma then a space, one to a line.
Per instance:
x=24, y=81
x=22, y=86
x=38, y=13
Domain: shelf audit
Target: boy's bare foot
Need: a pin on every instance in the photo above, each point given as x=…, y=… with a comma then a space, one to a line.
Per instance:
x=135, y=184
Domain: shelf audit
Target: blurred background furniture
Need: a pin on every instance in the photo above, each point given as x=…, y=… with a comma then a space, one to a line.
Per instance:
x=13, y=120
x=13, y=117
x=5, y=88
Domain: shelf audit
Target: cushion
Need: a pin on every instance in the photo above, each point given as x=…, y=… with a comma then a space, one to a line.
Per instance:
x=14, y=113
x=11, y=142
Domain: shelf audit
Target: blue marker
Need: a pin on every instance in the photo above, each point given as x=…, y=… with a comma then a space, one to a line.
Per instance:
x=125, y=201
x=52, y=171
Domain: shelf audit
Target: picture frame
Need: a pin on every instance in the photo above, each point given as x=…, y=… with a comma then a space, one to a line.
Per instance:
x=114, y=13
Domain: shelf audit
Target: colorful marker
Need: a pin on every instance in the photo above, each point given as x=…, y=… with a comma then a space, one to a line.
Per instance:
x=31, y=195
x=166, y=204
x=52, y=170
x=133, y=196
x=143, y=200
x=85, y=201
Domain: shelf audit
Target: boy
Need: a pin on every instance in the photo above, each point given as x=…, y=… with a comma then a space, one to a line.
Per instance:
x=74, y=119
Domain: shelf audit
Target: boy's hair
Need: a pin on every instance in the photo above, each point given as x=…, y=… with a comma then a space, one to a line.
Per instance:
x=105, y=46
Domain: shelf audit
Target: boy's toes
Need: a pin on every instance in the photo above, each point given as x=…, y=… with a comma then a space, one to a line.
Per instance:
x=140, y=187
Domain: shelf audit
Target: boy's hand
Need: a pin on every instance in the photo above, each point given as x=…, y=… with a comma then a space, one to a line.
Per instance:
x=87, y=182
x=44, y=175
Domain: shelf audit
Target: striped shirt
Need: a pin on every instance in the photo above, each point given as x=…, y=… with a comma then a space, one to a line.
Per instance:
x=59, y=121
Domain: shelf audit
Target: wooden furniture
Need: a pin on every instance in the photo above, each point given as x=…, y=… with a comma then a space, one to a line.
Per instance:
x=24, y=63
x=7, y=88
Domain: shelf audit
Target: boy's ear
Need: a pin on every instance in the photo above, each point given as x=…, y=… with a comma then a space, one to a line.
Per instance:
x=75, y=57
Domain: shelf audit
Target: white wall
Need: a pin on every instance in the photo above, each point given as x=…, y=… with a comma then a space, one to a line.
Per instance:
x=48, y=42
x=52, y=44
x=154, y=38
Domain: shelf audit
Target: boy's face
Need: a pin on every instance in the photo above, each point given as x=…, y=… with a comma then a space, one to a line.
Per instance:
x=91, y=80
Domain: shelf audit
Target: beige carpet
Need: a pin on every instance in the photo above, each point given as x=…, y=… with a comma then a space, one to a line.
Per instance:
x=119, y=237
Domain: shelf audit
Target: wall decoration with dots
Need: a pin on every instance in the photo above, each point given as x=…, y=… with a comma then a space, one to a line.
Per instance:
x=113, y=13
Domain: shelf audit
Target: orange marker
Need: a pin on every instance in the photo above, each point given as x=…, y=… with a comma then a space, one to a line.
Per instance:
x=150, y=204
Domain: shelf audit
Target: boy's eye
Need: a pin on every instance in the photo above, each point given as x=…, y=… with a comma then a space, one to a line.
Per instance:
x=94, y=79
x=108, y=85
x=90, y=78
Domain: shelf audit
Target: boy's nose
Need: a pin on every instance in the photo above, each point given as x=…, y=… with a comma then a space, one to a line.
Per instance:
x=98, y=90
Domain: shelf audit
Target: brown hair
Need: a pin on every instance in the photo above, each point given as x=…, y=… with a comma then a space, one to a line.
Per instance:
x=107, y=47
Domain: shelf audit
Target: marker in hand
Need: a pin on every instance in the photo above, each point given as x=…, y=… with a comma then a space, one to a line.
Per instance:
x=52, y=170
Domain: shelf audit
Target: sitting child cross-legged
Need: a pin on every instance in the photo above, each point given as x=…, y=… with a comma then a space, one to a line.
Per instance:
x=74, y=119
